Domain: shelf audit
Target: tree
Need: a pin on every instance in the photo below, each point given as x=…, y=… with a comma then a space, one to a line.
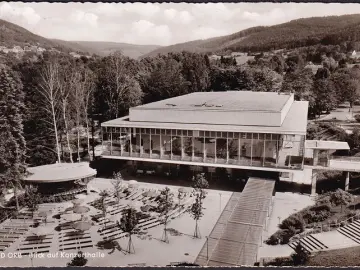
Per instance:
x=48, y=88
x=199, y=184
x=128, y=224
x=117, y=87
x=40, y=143
x=199, y=181
x=117, y=185
x=66, y=107
x=165, y=205
x=196, y=210
x=300, y=256
x=298, y=82
x=103, y=194
x=12, y=142
x=32, y=199
x=78, y=260
x=165, y=80
x=324, y=94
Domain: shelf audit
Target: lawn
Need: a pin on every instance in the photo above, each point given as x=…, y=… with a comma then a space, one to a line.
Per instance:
x=341, y=257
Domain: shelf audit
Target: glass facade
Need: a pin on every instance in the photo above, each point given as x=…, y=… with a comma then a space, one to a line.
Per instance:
x=214, y=147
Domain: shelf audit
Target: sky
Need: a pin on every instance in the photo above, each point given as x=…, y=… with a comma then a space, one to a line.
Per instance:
x=154, y=23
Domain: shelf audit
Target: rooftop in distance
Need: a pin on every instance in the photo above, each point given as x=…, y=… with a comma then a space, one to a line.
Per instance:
x=223, y=101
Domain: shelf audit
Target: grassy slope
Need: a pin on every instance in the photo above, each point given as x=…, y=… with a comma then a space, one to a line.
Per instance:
x=340, y=257
x=106, y=48
x=277, y=36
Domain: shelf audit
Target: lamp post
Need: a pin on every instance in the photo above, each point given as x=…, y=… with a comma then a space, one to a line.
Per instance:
x=279, y=219
x=207, y=248
x=220, y=202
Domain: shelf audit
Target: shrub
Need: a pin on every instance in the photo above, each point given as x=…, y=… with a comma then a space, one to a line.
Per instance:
x=357, y=117
x=281, y=237
x=295, y=221
x=79, y=260
x=300, y=257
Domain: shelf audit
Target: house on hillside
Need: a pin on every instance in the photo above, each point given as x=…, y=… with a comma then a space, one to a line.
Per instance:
x=27, y=48
x=17, y=49
x=235, y=54
x=75, y=55
x=355, y=55
x=40, y=49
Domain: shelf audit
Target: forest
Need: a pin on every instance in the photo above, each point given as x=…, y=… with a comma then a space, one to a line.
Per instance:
x=48, y=103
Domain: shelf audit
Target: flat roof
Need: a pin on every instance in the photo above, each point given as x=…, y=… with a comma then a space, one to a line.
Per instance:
x=295, y=122
x=60, y=172
x=324, y=145
x=223, y=101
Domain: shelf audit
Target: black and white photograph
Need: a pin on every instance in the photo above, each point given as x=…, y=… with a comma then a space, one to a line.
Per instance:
x=179, y=134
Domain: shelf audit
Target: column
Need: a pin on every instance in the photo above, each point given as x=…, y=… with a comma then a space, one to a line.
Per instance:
x=102, y=140
x=215, y=157
x=204, y=149
x=239, y=150
x=130, y=131
x=182, y=144
x=316, y=157
x=227, y=147
x=121, y=142
x=192, y=146
x=171, y=144
x=264, y=153
x=150, y=142
x=161, y=144
x=347, y=181
x=313, y=183
x=251, y=148
x=277, y=151
x=110, y=141
x=140, y=144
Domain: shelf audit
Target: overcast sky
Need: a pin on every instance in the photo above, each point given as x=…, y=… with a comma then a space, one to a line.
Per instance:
x=162, y=24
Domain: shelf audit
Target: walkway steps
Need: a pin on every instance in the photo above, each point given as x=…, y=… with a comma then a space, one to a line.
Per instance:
x=351, y=231
x=237, y=234
x=309, y=243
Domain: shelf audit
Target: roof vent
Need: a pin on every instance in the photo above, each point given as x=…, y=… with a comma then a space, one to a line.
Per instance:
x=170, y=104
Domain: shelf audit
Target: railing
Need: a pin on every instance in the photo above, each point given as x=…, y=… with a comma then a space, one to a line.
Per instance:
x=345, y=158
x=330, y=225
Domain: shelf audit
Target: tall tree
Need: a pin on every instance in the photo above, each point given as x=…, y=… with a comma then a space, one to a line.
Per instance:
x=48, y=88
x=117, y=87
x=66, y=106
x=12, y=142
x=40, y=142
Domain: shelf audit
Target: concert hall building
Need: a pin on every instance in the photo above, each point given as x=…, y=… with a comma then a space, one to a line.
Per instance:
x=234, y=129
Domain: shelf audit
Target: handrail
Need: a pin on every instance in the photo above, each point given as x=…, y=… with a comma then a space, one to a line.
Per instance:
x=337, y=224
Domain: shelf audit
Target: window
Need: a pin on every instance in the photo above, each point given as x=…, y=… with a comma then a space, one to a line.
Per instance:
x=190, y=133
x=231, y=134
x=207, y=134
x=201, y=134
x=261, y=136
x=162, y=131
x=218, y=134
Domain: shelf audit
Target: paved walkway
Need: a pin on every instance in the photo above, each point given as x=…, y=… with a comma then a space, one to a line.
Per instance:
x=236, y=237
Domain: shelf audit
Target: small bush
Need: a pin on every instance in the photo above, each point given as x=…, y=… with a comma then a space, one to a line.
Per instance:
x=281, y=237
x=295, y=221
x=357, y=117
x=79, y=260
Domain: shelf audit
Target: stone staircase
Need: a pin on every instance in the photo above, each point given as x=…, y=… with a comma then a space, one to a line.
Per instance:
x=351, y=231
x=309, y=243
